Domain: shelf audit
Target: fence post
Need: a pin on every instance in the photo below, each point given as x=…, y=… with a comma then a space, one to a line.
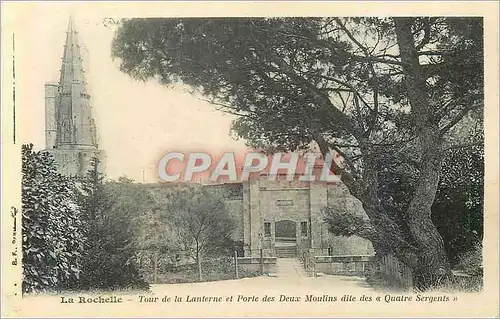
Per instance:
x=236, y=264
x=399, y=273
x=313, y=261
x=305, y=261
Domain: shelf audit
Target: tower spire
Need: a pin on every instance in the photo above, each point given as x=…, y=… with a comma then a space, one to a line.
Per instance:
x=76, y=128
x=72, y=67
x=70, y=130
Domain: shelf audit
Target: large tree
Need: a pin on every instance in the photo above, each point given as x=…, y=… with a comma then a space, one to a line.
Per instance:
x=366, y=88
x=202, y=223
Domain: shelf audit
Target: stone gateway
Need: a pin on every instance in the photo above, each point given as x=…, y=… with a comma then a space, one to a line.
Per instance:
x=286, y=218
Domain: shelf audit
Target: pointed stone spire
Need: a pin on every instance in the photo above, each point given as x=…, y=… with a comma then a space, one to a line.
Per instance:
x=70, y=130
x=72, y=68
x=76, y=128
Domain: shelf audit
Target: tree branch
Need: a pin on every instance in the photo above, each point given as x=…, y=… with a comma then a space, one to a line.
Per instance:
x=318, y=96
x=345, y=177
x=457, y=118
x=375, y=83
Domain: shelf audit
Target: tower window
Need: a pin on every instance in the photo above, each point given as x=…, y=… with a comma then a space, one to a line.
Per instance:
x=267, y=229
x=303, y=228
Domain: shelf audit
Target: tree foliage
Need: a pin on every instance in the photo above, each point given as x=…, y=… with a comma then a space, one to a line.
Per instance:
x=384, y=93
x=52, y=229
x=459, y=207
x=153, y=237
x=202, y=223
x=77, y=232
x=348, y=224
x=457, y=210
x=109, y=260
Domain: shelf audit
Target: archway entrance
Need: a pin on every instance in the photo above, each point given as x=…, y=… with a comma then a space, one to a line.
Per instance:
x=286, y=239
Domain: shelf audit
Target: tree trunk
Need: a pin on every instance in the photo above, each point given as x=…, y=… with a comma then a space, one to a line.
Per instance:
x=424, y=253
x=433, y=265
x=388, y=237
x=155, y=268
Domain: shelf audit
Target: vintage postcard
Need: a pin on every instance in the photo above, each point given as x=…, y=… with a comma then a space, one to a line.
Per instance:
x=250, y=159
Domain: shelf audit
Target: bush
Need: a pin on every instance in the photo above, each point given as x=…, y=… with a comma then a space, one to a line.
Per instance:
x=53, y=235
x=109, y=259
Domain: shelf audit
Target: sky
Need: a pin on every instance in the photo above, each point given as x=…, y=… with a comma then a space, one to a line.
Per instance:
x=137, y=122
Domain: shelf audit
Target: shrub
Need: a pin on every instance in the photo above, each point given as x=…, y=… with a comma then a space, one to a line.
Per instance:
x=109, y=259
x=471, y=262
x=52, y=230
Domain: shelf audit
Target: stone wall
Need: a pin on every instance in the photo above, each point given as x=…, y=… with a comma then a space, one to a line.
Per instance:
x=285, y=205
x=235, y=208
x=345, y=265
x=254, y=264
x=50, y=114
x=251, y=204
x=77, y=161
x=354, y=245
x=341, y=200
x=232, y=193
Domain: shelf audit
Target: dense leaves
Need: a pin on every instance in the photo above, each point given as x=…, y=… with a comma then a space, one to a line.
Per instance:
x=202, y=223
x=109, y=260
x=77, y=232
x=348, y=224
x=458, y=209
x=153, y=238
x=53, y=232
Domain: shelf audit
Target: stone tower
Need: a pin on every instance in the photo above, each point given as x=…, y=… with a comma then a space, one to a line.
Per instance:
x=70, y=130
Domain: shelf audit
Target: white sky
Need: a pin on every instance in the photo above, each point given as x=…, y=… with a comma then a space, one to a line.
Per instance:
x=137, y=122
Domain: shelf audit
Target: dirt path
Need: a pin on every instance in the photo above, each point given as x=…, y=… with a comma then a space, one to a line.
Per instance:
x=289, y=294
x=324, y=284
x=290, y=276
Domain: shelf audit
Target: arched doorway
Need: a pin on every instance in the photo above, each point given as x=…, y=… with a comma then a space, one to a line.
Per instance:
x=286, y=239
